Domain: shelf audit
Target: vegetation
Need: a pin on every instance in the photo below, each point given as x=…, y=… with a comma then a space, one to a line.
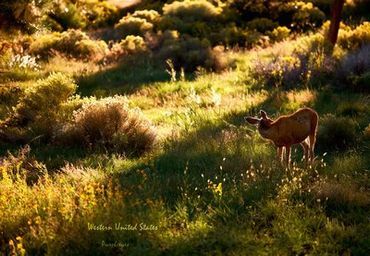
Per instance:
x=122, y=128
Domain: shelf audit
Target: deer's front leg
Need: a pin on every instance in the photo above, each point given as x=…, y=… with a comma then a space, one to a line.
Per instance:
x=287, y=155
x=280, y=154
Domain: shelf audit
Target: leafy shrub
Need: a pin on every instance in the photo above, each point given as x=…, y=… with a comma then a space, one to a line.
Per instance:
x=301, y=15
x=151, y=16
x=367, y=132
x=283, y=71
x=67, y=15
x=231, y=35
x=262, y=24
x=356, y=38
x=73, y=43
x=192, y=10
x=130, y=25
x=200, y=29
x=110, y=124
x=352, y=109
x=337, y=132
x=129, y=46
x=354, y=70
x=100, y=13
x=280, y=33
x=190, y=53
x=38, y=109
x=195, y=18
x=22, y=165
x=9, y=93
x=133, y=44
x=23, y=14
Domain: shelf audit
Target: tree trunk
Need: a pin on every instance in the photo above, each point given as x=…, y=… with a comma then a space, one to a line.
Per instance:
x=336, y=9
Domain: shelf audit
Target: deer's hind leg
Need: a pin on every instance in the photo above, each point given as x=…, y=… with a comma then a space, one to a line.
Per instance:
x=305, y=147
x=312, y=146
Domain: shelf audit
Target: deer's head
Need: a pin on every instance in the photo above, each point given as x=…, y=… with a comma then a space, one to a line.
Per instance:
x=263, y=122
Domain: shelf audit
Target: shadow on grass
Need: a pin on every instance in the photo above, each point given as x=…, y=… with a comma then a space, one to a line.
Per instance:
x=125, y=77
x=121, y=79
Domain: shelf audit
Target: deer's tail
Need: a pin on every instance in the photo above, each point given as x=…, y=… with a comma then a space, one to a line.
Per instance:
x=312, y=136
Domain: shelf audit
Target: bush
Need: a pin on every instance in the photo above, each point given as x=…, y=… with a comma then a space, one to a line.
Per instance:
x=192, y=10
x=109, y=123
x=72, y=43
x=283, y=71
x=195, y=18
x=67, y=15
x=301, y=15
x=100, y=14
x=22, y=165
x=130, y=25
x=151, y=16
x=38, y=110
x=280, y=33
x=338, y=133
x=231, y=35
x=354, y=70
x=133, y=44
x=356, y=38
x=22, y=14
x=262, y=24
x=9, y=93
x=129, y=46
x=367, y=132
x=352, y=109
x=190, y=53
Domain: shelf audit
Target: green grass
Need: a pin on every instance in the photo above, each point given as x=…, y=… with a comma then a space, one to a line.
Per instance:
x=211, y=186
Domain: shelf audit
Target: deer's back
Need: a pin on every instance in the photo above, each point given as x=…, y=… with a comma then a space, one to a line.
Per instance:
x=295, y=128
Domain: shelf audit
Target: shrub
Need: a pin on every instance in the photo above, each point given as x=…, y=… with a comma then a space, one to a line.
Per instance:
x=354, y=70
x=73, y=43
x=262, y=24
x=190, y=53
x=231, y=35
x=367, y=132
x=133, y=44
x=100, y=14
x=109, y=123
x=38, y=109
x=130, y=25
x=22, y=165
x=195, y=18
x=301, y=15
x=9, y=93
x=192, y=10
x=67, y=15
x=280, y=33
x=129, y=46
x=337, y=132
x=352, y=109
x=22, y=14
x=356, y=38
x=283, y=71
x=151, y=16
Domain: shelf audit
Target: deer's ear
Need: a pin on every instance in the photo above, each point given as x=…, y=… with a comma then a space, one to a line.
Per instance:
x=251, y=120
x=263, y=114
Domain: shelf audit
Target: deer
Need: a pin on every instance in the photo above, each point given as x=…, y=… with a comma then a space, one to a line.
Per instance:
x=287, y=130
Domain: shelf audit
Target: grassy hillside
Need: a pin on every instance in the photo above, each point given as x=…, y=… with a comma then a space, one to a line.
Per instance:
x=123, y=132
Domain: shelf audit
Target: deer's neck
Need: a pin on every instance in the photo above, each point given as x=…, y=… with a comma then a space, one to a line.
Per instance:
x=268, y=133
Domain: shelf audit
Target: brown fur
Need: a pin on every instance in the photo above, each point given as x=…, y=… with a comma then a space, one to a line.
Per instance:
x=288, y=130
